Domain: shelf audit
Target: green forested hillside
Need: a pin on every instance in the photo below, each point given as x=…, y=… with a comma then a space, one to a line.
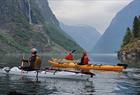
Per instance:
x=30, y=23
x=131, y=41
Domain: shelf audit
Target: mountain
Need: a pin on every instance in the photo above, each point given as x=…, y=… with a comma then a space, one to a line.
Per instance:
x=85, y=36
x=30, y=23
x=111, y=40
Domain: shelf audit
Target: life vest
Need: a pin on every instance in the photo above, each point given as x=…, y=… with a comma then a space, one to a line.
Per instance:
x=37, y=63
x=69, y=57
x=86, y=60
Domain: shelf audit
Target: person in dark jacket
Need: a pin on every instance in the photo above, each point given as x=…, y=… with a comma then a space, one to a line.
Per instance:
x=84, y=59
x=34, y=61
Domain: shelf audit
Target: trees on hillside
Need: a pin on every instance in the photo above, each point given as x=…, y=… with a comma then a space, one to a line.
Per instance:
x=132, y=34
x=136, y=27
x=127, y=38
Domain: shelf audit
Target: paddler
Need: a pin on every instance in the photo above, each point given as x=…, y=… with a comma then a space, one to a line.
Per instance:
x=34, y=61
x=84, y=59
x=69, y=56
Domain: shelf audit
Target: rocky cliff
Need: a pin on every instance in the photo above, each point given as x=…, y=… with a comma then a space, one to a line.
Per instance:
x=30, y=23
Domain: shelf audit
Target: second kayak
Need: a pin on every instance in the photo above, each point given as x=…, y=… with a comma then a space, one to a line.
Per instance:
x=56, y=63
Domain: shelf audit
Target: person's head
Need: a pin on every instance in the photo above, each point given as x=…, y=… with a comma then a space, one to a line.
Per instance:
x=69, y=52
x=84, y=53
x=33, y=50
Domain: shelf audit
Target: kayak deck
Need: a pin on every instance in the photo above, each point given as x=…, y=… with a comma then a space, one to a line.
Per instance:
x=46, y=74
x=55, y=63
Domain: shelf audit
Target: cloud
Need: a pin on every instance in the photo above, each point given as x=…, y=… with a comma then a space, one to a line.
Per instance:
x=96, y=13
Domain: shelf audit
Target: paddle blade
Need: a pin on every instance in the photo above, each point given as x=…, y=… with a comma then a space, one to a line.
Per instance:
x=73, y=51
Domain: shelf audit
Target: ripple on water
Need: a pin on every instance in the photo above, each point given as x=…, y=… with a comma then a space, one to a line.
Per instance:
x=104, y=83
x=45, y=86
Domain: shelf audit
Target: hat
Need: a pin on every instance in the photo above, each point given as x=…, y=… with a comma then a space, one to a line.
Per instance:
x=34, y=50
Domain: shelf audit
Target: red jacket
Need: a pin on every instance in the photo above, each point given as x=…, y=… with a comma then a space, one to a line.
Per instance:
x=69, y=57
x=86, y=60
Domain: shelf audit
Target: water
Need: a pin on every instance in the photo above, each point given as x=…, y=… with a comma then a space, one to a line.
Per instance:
x=110, y=59
x=104, y=83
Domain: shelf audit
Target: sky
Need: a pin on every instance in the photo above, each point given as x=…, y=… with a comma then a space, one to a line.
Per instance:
x=95, y=13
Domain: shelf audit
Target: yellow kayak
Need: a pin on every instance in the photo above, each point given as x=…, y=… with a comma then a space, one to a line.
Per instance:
x=71, y=64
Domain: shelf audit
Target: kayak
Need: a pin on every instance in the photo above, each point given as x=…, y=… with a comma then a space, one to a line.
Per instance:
x=45, y=74
x=57, y=63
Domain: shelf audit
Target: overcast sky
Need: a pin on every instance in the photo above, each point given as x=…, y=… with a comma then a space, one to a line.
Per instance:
x=96, y=13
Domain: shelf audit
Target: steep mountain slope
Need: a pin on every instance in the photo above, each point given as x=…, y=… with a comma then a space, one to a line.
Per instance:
x=84, y=35
x=110, y=41
x=30, y=23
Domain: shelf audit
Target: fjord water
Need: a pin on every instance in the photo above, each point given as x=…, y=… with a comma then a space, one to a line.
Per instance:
x=104, y=83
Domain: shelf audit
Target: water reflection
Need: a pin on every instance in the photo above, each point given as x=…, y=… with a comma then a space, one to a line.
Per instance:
x=45, y=86
x=110, y=59
x=105, y=83
x=129, y=83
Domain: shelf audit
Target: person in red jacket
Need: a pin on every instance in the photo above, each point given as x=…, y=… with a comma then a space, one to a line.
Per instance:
x=84, y=59
x=69, y=56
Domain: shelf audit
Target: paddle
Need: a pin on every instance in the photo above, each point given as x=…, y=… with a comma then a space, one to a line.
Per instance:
x=69, y=57
x=82, y=72
x=124, y=65
x=73, y=51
